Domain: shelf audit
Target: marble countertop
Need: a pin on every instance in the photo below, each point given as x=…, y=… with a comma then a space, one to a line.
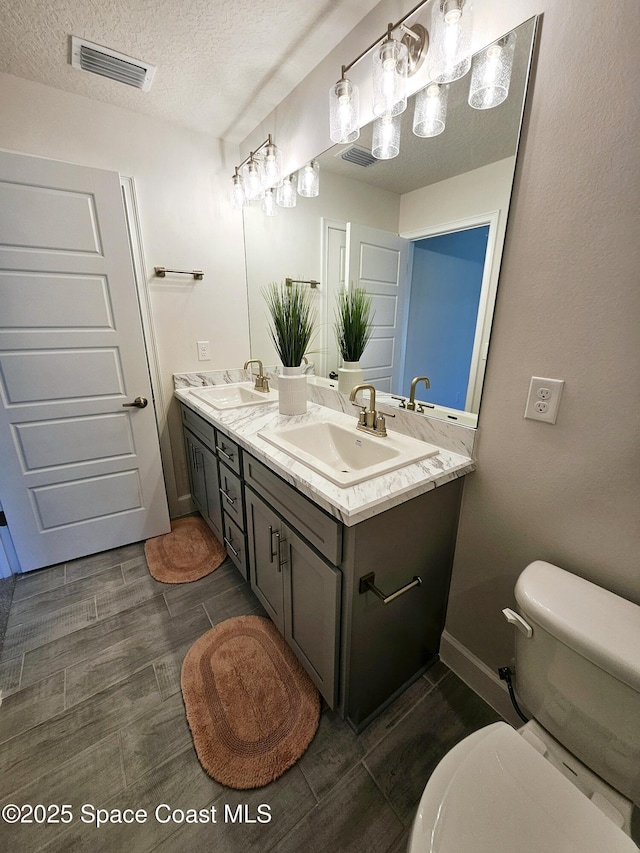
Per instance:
x=350, y=505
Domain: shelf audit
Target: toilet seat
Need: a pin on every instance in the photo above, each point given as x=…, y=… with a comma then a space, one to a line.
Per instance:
x=494, y=792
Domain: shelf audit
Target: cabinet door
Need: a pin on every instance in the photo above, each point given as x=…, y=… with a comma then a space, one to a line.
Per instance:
x=195, y=467
x=265, y=530
x=312, y=613
x=212, y=482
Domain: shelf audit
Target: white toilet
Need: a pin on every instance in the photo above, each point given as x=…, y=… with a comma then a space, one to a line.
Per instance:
x=565, y=782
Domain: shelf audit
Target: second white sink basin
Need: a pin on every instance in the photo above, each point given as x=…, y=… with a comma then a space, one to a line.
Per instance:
x=345, y=455
x=233, y=396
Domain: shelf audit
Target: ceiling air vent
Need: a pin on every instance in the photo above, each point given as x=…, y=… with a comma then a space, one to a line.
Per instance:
x=358, y=155
x=109, y=63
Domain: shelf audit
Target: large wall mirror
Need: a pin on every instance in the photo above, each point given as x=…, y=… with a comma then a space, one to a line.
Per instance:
x=422, y=233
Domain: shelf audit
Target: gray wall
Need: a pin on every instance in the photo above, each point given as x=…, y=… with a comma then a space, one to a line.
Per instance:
x=568, y=307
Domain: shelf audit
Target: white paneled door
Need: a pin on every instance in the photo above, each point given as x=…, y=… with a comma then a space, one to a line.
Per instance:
x=81, y=469
x=378, y=262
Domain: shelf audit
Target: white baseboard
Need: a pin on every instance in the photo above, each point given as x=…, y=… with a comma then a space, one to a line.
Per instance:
x=185, y=506
x=479, y=677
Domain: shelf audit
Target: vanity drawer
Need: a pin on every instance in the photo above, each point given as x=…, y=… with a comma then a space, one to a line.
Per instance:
x=231, y=495
x=203, y=429
x=318, y=528
x=228, y=451
x=236, y=544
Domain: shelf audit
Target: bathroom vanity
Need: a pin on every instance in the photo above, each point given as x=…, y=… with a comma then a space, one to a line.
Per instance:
x=314, y=551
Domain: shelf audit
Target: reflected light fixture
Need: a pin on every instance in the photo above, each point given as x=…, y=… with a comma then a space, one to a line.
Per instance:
x=430, y=113
x=390, y=70
x=386, y=137
x=451, y=29
x=287, y=192
x=344, y=111
x=491, y=73
x=269, y=202
x=309, y=179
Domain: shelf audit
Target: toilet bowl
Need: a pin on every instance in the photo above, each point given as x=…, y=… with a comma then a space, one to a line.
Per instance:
x=501, y=790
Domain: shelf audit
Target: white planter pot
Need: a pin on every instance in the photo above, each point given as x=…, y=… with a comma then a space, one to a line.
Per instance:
x=292, y=391
x=349, y=374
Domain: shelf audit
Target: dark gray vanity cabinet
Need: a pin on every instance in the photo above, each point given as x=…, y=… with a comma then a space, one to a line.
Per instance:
x=307, y=569
x=299, y=590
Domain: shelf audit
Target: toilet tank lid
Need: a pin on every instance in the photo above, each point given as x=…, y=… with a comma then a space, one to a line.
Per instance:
x=595, y=623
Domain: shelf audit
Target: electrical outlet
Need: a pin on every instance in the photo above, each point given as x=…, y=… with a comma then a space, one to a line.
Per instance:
x=544, y=399
x=204, y=352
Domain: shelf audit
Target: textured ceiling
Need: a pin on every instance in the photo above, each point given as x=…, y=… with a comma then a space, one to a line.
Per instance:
x=222, y=66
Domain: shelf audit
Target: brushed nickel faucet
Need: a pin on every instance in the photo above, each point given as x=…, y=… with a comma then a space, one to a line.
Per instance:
x=368, y=420
x=411, y=405
x=262, y=382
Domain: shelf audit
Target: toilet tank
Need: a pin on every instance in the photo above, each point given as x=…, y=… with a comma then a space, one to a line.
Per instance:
x=578, y=674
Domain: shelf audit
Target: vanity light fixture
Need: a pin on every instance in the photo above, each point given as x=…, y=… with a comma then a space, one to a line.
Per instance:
x=309, y=179
x=451, y=30
x=260, y=170
x=390, y=70
x=386, y=137
x=491, y=73
x=393, y=61
x=430, y=113
x=344, y=111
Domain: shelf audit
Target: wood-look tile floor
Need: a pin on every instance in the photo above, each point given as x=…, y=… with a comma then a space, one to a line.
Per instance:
x=92, y=718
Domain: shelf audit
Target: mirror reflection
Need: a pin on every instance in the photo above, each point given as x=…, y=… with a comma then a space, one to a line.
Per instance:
x=422, y=233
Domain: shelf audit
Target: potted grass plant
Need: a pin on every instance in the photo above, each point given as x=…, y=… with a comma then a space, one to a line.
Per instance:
x=291, y=322
x=353, y=327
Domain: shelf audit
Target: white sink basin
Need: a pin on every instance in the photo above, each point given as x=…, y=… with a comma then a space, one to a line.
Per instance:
x=346, y=455
x=233, y=396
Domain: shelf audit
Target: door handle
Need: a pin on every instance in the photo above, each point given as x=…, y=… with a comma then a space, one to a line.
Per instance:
x=139, y=403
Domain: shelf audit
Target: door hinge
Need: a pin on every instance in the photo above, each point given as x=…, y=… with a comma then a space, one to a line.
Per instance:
x=3, y=519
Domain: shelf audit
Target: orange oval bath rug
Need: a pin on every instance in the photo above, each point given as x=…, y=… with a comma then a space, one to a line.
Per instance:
x=251, y=707
x=188, y=553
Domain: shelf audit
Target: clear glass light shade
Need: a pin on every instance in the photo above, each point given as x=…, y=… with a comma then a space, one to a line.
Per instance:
x=271, y=165
x=344, y=112
x=430, y=112
x=252, y=178
x=269, y=202
x=386, y=137
x=309, y=180
x=491, y=74
x=286, y=194
x=449, y=54
x=390, y=70
x=236, y=192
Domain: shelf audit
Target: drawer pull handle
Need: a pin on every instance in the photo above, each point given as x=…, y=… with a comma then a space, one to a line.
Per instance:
x=272, y=553
x=227, y=496
x=227, y=542
x=367, y=582
x=226, y=455
x=196, y=452
x=279, y=540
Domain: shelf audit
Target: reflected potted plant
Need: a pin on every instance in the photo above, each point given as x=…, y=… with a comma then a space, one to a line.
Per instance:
x=353, y=329
x=291, y=322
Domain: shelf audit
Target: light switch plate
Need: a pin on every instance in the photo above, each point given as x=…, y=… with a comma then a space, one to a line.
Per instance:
x=543, y=399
